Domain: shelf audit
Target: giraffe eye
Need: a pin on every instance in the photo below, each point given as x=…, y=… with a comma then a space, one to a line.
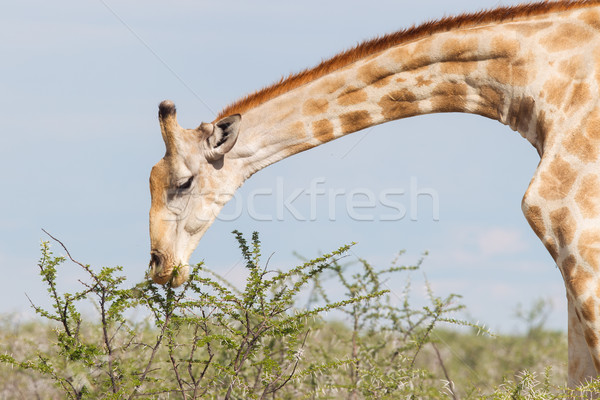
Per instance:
x=186, y=185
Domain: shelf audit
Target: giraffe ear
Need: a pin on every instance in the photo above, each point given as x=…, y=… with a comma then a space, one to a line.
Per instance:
x=223, y=136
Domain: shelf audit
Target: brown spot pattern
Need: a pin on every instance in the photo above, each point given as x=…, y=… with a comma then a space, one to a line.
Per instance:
x=563, y=226
x=503, y=47
x=399, y=104
x=585, y=144
x=533, y=214
x=329, y=85
x=520, y=72
x=589, y=247
x=462, y=68
x=576, y=279
x=588, y=310
x=323, y=130
x=580, y=95
x=492, y=100
x=461, y=49
x=568, y=264
x=351, y=96
x=529, y=28
x=592, y=339
x=565, y=37
x=572, y=66
x=412, y=59
x=416, y=34
x=592, y=18
x=542, y=129
x=297, y=148
x=422, y=81
x=557, y=180
x=315, y=106
x=578, y=144
x=508, y=71
x=568, y=268
x=520, y=114
x=554, y=91
x=371, y=73
x=505, y=67
x=460, y=56
x=449, y=97
x=298, y=129
x=383, y=82
x=550, y=245
x=592, y=125
x=588, y=196
x=355, y=121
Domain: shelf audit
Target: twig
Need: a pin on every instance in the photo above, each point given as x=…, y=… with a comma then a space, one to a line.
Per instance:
x=85, y=267
x=107, y=342
x=177, y=377
x=281, y=374
x=450, y=383
x=151, y=359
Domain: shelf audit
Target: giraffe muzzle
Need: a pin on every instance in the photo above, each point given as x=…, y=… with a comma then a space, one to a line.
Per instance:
x=158, y=272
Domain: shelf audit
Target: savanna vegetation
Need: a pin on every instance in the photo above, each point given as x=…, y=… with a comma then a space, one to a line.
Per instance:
x=284, y=335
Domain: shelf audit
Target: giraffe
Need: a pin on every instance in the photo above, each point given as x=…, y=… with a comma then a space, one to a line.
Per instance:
x=533, y=67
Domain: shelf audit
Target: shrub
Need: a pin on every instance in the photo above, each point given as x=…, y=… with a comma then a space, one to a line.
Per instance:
x=206, y=339
x=210, y=339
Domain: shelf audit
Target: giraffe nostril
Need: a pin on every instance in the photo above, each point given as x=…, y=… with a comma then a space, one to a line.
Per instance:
x=155, y=260
x=160, y=267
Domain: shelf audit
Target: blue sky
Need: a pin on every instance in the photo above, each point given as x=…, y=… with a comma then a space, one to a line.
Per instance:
x=80, y=84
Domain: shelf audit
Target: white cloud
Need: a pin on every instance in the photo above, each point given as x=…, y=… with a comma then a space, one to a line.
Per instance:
x=498, y=240
x=483, y=245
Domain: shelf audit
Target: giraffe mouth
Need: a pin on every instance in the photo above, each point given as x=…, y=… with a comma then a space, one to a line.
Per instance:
x=163, y=270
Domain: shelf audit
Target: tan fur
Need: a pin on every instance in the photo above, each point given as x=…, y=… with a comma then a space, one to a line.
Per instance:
x=535, y=68
x=323, y=130
x=576, y=277
x=315, y=106
x=379, y=44
x=563, y=226
x=558, y=180
x=589, y=248
x=566, y=37
x=589, y=190
x=351, y=96
x=355, y=121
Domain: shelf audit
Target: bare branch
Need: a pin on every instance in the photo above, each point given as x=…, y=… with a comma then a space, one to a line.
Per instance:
x=450, y=383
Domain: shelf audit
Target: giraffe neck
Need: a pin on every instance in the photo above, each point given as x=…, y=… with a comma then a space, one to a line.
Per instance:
x=495, y=71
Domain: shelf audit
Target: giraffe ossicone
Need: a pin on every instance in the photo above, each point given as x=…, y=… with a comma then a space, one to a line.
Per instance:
x=535, y=68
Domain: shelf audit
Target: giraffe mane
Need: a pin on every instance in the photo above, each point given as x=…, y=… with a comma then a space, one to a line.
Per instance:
x=382, y=43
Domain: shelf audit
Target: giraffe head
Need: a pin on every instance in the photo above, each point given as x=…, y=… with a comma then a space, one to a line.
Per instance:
x=188, y=186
